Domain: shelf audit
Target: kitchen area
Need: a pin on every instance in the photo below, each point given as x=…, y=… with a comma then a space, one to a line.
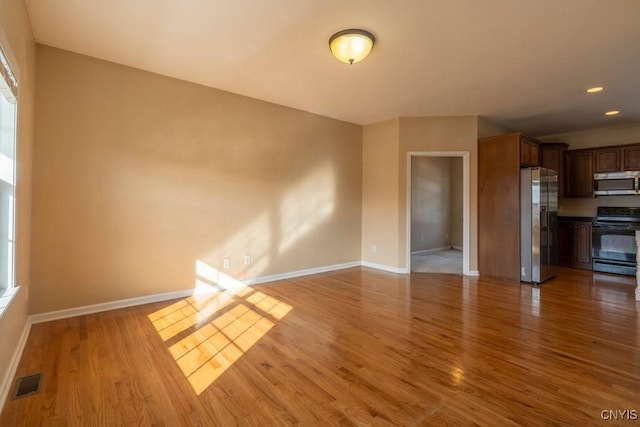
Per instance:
x=594, y=216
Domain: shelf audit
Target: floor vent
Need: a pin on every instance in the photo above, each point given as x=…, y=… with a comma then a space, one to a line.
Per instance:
x=27, y=385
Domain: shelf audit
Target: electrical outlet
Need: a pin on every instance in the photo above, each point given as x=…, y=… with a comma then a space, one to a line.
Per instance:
x=247, y=259
x=524, y=272
x=227, y=263
x=374, y=248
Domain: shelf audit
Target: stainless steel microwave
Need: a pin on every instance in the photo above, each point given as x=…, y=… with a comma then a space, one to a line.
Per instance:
x=616, y=183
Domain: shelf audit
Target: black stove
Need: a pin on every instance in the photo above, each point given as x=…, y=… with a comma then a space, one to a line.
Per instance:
x=613, y=240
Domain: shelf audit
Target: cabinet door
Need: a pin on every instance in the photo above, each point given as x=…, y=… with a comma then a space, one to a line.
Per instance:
x=525, y=152
x=582, y=245
x=552, y=157
x=535, y=154
x=632, y=158
x=565, y=243
x=578, y=173
x=608, y=160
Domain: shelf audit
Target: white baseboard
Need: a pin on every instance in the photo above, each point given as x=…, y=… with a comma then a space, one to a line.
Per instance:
x=114, y=305
x=397, y=270
x=300, y=273
x=474, y=273
x=5, y=386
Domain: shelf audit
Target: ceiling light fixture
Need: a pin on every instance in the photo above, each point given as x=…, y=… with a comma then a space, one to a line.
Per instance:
x=351, y=46
x=612, y=113
x=595, y=89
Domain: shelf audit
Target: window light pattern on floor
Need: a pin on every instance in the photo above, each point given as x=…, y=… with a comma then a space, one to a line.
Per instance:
x=206, y=334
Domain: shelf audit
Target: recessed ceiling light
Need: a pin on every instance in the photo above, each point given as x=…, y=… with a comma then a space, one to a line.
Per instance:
x=612, y=113
x=595, y=89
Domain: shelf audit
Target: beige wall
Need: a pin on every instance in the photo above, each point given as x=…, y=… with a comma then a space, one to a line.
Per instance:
x=380, y=209
x=487, y=128
x=385, y=155
x=139, y=176
x=455, y=236
x=430, y=202
x=17, y=42
x=614, y=135
x=440, y=134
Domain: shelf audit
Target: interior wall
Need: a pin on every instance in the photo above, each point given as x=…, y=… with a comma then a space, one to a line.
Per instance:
x=457, y=217
x=380, y=209
x=487, y=128
x=17, y=41
x=614, y=135
x=430, y=202
x=439, y=134
x=139, y=176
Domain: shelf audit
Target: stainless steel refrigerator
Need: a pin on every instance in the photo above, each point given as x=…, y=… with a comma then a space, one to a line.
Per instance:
x=538, y=224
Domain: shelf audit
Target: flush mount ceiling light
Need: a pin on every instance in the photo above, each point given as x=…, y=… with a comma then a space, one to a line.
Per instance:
x=351, y=46
x=612, y=113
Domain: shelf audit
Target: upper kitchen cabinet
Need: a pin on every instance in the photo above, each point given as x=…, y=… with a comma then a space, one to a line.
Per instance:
x=552, y=157
x=631, y=156
x=616, y=158
x=529, y=151
x=607, y=160
x=579, y=173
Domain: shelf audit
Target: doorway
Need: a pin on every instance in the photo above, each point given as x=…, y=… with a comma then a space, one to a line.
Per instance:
x=438, y=212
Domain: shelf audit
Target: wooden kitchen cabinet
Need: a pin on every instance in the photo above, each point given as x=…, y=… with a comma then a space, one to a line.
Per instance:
x=499, y=162
x=574, y=244
x=631, y=156
x=616, y=158
x=552, y=157
x=578, y=173
x=565, y=242
x=607, y=160
x=529, y=151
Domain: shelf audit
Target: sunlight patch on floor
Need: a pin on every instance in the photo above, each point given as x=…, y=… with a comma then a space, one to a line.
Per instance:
x=214, y=330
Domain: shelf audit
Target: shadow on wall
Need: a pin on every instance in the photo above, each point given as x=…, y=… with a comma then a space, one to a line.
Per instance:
x=273, y=232
x=137, y=175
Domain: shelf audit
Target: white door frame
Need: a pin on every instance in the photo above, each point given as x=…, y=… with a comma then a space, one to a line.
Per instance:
x=465, y=203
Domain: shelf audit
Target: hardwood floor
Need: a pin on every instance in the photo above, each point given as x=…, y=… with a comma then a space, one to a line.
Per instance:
x=352, y=347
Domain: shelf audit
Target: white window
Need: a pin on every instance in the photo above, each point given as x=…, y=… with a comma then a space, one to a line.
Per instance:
x=8, y=113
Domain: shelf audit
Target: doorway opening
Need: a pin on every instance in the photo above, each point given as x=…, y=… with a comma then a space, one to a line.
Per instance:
x=438, y=212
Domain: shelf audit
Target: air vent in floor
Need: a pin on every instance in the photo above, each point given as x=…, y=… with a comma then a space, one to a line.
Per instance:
x=26, y=386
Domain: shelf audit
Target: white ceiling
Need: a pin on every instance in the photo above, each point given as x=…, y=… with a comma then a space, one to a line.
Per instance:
x=522, y=63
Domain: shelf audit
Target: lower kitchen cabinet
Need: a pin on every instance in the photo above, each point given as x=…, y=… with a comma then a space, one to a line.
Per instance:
x=574, y=244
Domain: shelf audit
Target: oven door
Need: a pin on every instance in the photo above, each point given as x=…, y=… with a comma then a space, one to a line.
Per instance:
x=614, y=248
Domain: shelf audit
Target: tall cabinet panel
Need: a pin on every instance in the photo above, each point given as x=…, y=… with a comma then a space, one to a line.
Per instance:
x=499, y=161
x=552, y=157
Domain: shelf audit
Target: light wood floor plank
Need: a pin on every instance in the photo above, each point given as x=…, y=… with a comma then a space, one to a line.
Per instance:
x=354, y=347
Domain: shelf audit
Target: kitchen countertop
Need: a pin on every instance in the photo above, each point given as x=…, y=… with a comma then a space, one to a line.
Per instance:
x=576, y=218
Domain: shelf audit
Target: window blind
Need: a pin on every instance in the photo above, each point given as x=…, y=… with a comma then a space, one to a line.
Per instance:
x=8, y=82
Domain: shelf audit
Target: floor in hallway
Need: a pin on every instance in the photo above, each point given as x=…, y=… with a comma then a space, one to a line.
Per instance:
x=445, y=261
